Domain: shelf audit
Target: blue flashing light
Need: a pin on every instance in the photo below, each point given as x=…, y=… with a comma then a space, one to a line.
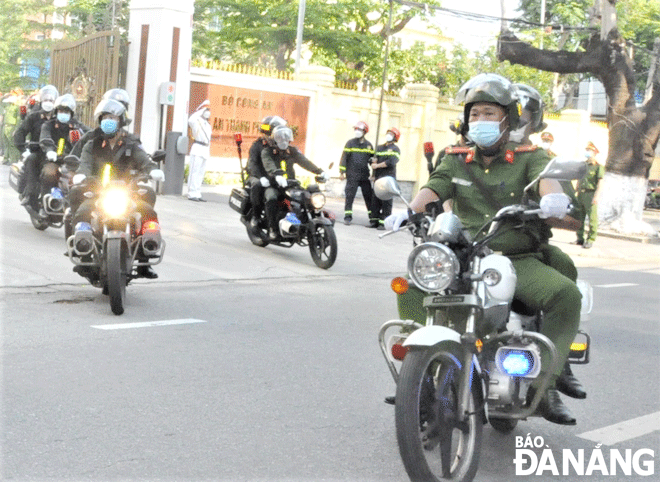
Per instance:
x=83, y=226
x=56, y=193
x=517, y=363
x=292, y=218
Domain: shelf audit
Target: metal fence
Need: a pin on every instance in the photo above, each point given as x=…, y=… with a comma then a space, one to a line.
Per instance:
x=89, y=67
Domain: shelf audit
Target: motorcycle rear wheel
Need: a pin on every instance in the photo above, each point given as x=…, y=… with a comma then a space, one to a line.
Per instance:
x=117, y=273
x=258, y=236
x=432, y=444
x=39, y=223
x=323, y=245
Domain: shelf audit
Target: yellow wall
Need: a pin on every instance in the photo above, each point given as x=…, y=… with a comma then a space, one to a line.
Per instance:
x=418, y=114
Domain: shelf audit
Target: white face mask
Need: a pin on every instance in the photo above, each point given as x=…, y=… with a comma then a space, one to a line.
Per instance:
x=389, y=138
x=47, y=105
x=517, y=135
x=206, y=114
x=546, y=145
x=358, y=133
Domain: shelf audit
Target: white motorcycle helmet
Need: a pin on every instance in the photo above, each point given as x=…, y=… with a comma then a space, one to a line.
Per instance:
x=282, y=135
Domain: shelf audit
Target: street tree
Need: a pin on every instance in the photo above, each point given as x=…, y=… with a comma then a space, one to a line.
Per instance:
x=346, y=35
x=634, y=129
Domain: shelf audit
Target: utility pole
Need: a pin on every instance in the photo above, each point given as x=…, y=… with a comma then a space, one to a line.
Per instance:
x=384, y=82
x=299, y=34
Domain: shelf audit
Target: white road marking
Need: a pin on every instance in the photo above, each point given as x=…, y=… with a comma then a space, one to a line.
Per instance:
x=620, y=432
x=145, y=324
x=617, y=285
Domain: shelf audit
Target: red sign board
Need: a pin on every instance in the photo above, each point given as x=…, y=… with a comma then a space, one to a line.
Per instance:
x=238, y=110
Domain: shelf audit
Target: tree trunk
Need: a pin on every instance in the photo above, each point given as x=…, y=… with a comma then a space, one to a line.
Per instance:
x=633, y=130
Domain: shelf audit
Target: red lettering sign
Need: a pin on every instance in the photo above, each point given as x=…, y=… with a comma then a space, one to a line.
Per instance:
x=238, y=110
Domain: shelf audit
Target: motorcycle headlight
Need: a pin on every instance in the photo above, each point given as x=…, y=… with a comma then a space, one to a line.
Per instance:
x=115, y=202
x=318, y=200
x=432, y=266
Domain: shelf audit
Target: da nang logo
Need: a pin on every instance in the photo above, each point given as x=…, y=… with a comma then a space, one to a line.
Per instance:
x=534, y=457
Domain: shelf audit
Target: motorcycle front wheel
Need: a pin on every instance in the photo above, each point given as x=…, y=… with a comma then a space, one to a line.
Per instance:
x=323, y=245
x=434, y=445
x=117, y=273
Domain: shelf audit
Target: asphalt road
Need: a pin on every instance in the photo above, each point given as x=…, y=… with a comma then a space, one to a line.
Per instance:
x=261, y=366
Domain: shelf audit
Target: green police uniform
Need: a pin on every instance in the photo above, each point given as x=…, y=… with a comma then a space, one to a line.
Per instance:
x=586, y=189
x=539, y=286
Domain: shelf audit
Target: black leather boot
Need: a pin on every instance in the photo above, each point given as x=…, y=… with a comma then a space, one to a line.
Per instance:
x=553, y=409
x=569, y=385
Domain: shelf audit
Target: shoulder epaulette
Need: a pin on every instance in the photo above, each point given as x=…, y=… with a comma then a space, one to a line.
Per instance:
x=457, y=150
x=526, y=148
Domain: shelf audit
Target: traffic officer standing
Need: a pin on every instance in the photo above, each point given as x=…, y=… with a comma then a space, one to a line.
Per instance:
x=354, y=167
x=200, y=150
x=587, y=197
x=384, y=164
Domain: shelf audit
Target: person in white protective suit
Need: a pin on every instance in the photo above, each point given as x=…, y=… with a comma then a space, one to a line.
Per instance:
x=200, y=151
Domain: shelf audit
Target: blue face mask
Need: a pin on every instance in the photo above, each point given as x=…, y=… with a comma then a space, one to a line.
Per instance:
x=63, y=117
x=109, y=126
x=484, y=133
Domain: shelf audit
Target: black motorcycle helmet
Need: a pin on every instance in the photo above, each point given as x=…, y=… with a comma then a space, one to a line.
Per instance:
x=496, y=90
x=531, y=101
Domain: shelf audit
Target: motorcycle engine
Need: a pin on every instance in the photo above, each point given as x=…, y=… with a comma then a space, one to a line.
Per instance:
x=501, y=387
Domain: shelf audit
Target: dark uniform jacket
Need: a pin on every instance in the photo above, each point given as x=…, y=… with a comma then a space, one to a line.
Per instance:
x=278, y=162
x=390, y=154
x=87, y=136
x=255, y=166
x=127, y=155
x=53, y=132
x=505, y=178
x=31, y=127
x=355, y=159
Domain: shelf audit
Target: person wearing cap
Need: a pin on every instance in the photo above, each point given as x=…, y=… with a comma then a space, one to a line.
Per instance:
x=354, y=167
x=384, y=164
x=200, y=150
x=546, y=143
x=587, y=197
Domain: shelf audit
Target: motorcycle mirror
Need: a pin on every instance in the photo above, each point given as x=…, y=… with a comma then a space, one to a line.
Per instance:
x=564, y=169
x=158, y=156
x=387, y=188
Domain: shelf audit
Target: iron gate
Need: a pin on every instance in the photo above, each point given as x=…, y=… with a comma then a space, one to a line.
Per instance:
x=87, y=68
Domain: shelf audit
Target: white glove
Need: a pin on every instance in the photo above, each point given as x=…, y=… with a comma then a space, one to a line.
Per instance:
x=325, y=176
x=51, y=156
x=281, y=181
x=157, y=175
x=78, y=178
x=264, y=181
x=393, y=221
x=555, y=205
x=26, y=153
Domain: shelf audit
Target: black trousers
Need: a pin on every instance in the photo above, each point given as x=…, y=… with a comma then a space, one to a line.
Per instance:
x=350, y=191
x=381, y=209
